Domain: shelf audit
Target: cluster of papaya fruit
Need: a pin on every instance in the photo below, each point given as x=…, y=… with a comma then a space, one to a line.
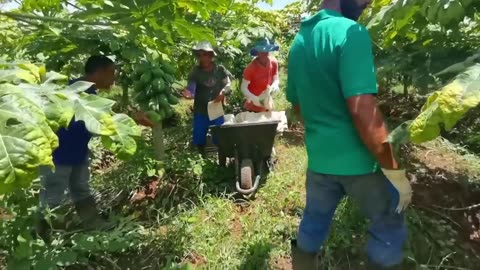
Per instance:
x=445, y=12
x=153, y=89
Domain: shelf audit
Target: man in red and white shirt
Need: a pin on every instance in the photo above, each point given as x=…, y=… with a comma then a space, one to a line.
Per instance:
x=260, y=78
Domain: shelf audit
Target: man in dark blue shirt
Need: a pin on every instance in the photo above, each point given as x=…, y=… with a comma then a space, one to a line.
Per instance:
x=71, y=157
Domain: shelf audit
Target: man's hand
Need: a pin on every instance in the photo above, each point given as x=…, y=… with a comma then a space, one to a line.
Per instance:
x=220, y=96
x=186, y=94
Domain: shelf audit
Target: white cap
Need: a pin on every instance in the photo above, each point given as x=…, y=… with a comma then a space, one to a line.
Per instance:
x=204, y=46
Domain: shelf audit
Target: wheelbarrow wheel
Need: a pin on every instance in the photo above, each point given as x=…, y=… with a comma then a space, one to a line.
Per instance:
x=222, y=159
x=246, y=174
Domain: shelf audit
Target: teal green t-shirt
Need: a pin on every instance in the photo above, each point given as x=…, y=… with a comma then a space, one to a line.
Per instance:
x=331, y=60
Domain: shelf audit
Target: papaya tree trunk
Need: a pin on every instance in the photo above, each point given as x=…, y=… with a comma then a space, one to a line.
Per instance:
x=405, y=85
x=124, y=101
x=157, y=140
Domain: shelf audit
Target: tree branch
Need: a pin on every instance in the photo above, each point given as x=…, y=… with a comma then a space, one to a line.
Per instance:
x=17, y=16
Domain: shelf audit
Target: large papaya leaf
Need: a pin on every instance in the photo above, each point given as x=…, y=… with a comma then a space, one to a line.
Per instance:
x=56, y=100
x=23, y=111
x=96, y=112
x=17, y=76
x=122, y=143
x=447, y=106
x=23, y=147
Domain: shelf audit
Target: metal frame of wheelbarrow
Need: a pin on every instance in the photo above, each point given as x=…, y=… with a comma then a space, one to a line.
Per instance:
x=251, y=145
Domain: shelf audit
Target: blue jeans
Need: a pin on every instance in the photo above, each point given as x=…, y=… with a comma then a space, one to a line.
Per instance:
x=73, y=178
x=373, y=193
x=201, y=123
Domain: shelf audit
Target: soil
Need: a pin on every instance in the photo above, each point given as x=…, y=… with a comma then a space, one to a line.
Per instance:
x=281, y=263
x=236, y=228
x=444, y=184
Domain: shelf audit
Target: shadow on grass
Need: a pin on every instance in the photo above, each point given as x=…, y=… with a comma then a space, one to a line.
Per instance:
x=294, y=137
x=162, y=250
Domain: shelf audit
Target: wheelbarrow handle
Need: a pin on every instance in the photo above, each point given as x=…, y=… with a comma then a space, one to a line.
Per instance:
x=248, y=191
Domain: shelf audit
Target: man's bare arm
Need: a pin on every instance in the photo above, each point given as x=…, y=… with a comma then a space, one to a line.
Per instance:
x=369, y=122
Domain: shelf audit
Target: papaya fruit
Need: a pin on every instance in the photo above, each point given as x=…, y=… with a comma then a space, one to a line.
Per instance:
x=146, y=77
x=169, y=79
x=173, y=100
x=167, y=67
x=153, y=116
x=163, y=101
x=141, y=97
x=142, y=67
x=138, y=86
x=157, y=73
x=162, y=113
x=159, y=85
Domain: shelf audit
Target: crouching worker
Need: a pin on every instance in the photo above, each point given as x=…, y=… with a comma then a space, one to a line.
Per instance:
x=71, y=158
x=260, y=78
x=207, y=82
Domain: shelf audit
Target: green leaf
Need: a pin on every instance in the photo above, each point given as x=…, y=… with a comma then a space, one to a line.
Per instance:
x=23, y=110
x=45, y=264
x=65, y=258
x=14, y=264
x=17, y=76
x=189, y=30
x=23, y=147
x=96, y=112
x=52, y=76
x=447, y=106
x=84, y=242
x=122, y=143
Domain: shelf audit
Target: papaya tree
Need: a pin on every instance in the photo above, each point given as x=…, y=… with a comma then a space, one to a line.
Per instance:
x=132, y=31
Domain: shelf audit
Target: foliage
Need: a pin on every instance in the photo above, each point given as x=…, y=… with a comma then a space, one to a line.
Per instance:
x=26, y=251
x=421, y=43
x=236, y=31
x=33, y=107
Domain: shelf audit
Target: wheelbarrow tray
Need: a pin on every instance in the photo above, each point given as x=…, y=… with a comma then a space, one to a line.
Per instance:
x=247, y=140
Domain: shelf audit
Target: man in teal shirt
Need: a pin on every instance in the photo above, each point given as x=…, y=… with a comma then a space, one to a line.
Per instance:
x=332, y=85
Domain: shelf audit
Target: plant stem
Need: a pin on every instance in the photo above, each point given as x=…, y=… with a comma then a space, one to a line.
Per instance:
x=157, y=140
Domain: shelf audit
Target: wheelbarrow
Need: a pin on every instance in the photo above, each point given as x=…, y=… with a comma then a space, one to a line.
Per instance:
x=250, y=145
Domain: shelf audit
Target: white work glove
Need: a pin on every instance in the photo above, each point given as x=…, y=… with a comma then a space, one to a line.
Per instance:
x=399, y=180
x=254, y=99
x=268, y=103
x=264, y=94
x=274, y=88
